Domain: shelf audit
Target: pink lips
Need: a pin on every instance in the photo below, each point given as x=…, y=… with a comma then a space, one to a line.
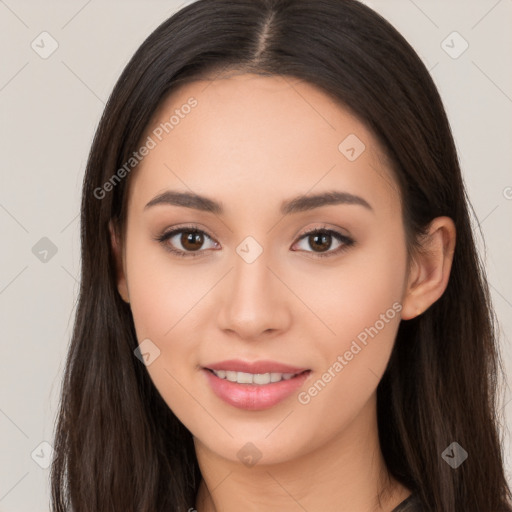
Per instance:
x=254, y=397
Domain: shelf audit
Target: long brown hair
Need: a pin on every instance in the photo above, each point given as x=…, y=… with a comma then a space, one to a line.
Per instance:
x=118, y=446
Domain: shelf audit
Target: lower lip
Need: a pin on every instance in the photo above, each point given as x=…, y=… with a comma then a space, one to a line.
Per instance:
x=254, y=397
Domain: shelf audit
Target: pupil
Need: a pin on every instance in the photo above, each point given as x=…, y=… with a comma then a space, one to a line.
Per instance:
x=324, y=241
x=190, y=239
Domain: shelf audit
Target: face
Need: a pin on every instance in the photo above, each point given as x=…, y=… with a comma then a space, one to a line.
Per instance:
x=248, y=280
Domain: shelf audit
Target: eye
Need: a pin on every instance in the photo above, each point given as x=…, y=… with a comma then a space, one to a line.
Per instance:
x=189, y=240
x=321, y=239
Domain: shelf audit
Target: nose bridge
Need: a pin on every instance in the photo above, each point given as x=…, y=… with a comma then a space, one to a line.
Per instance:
x=250, y=273
x=251, y=258
x=253, y=301
x=251, y=278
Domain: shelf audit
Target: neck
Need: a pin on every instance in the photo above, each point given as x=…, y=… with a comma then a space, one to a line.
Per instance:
x=347, y=474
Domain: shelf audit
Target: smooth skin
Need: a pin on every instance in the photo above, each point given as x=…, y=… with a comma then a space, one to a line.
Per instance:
x=251, y=143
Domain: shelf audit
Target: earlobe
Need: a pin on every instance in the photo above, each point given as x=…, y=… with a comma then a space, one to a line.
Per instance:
x=430, y=269
x=119, y=261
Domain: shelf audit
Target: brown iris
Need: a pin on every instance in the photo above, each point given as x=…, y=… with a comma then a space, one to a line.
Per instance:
x=321, y=241
x=192, y=240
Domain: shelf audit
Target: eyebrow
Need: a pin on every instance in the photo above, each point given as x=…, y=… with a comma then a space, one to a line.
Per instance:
x=294, y=205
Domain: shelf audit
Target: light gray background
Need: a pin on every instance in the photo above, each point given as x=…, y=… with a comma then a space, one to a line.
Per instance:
x=49, y=109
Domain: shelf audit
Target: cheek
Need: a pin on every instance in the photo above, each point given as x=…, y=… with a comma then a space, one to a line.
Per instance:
x=163, y=294
x=353, y=295
x=168, y=301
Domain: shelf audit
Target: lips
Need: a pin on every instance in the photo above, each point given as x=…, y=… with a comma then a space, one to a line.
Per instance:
x=255, y=396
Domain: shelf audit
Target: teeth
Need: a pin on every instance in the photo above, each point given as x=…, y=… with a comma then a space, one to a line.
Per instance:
x=231, y=376
x=275, y=377
x=244, y=378
x=251, y=378
x=261, y=378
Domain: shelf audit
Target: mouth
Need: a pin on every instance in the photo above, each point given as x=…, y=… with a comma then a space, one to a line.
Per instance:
x=254, y=391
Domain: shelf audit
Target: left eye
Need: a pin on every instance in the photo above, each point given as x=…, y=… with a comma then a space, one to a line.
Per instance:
x=320, y=238
x=192, y=240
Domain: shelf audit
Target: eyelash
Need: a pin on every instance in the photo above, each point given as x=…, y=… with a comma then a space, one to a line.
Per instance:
x=345, y=240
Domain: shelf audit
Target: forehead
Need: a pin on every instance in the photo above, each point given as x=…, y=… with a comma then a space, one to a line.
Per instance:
x=256, y=135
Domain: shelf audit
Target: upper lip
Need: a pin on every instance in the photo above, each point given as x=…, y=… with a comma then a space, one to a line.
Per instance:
x=255, y=367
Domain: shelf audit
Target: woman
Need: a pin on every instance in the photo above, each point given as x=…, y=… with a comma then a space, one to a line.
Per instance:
x=281, y=303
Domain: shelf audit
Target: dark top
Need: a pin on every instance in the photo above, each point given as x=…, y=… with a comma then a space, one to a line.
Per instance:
x=410, y=504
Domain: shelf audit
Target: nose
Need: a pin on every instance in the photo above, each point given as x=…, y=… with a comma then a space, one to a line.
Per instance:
x=253, y=300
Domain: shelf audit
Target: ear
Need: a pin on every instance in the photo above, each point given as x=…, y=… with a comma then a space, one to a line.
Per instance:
x=430, y=268
x=117, y=249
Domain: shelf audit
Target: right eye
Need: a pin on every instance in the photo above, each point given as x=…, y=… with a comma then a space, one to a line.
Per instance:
x=191, y=239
